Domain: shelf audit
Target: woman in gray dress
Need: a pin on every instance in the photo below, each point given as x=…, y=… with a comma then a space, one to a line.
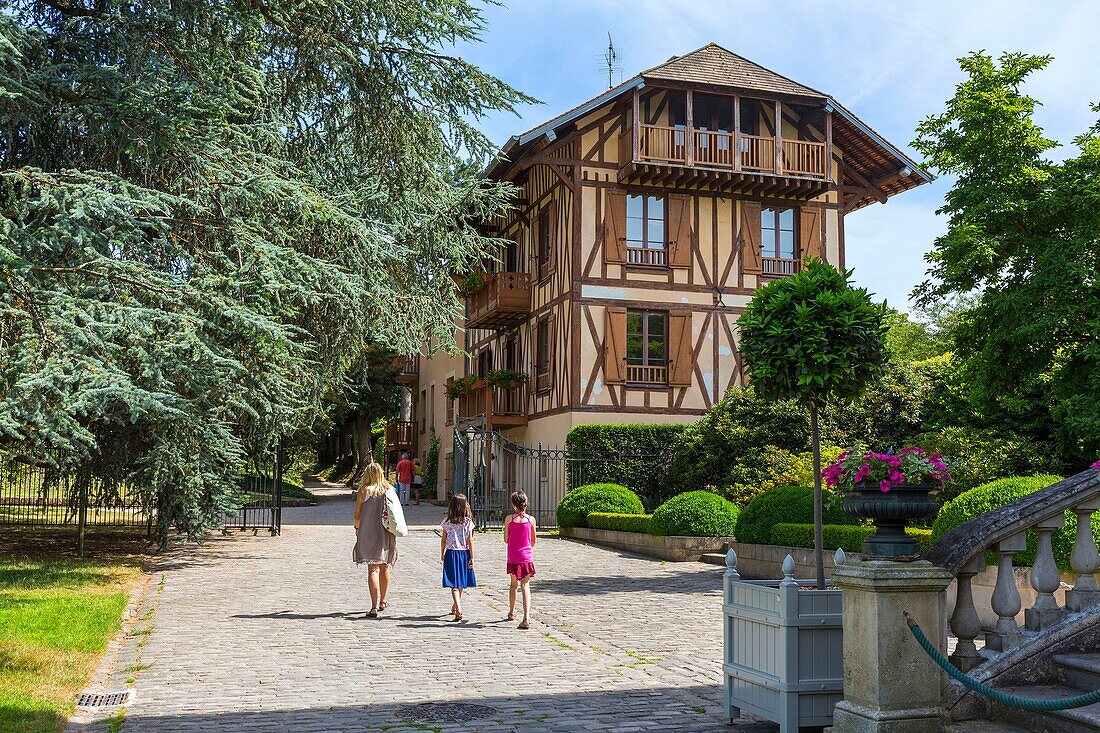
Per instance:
x=374, y=544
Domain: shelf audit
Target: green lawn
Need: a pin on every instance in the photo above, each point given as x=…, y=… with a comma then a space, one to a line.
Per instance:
x=56, y=617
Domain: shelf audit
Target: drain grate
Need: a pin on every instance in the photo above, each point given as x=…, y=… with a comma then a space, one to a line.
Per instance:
x=457, y=712
x=104, y=699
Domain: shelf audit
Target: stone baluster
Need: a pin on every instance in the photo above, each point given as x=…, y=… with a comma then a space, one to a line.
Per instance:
x=1006, y=601
x=1045, y=579
x=965, y=623
x=1085, y=561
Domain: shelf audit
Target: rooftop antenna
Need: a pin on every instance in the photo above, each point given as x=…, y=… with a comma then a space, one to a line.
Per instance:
x=611, y=61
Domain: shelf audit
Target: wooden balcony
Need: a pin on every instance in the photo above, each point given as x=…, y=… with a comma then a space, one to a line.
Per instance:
x=779, y=266
x=401, y=435
x=503, y=302
x=661, y=155
x=408, y=369
x=649, y=374
x=502, y=407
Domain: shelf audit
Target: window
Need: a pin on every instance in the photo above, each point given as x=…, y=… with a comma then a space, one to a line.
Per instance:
x=546, y=244
x=646, y=243
x=777, y=242
x=423, y=408
x=542, y=354
x=484, y=362
x=431, y=408
x=450, y=402
x=646, y=347
x=511, y=255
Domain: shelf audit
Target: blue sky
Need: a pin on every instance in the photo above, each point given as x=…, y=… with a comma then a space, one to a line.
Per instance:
x=892, y=64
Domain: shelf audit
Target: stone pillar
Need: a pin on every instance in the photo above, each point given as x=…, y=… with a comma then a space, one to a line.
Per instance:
x=890, y=684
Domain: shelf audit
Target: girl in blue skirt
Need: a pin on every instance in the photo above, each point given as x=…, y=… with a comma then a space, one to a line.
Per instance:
x=457, y=550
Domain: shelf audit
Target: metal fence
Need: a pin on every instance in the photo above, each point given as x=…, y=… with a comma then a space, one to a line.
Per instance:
x=260, y=495
x=488, y=468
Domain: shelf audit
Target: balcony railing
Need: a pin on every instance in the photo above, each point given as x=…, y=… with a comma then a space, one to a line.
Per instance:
x=778, y=266
x=408, y=368
x=647, y=374
x=715, y=149
x=648, y=257
x=502, y=406
x=504, y=301
x=400, y=434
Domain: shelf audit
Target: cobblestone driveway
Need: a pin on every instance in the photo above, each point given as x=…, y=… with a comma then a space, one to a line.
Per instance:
x=265, y=634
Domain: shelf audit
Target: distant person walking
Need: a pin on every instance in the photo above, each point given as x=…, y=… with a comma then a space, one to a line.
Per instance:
x=457, y=551
x=378, y=521
x=405, y=473
x=519, y=536
x=418, y=481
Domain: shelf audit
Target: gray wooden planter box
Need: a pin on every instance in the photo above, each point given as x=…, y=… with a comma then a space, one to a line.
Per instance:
x=783, y=657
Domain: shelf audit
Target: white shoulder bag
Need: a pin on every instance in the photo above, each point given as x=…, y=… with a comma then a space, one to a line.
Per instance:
x=393, y=517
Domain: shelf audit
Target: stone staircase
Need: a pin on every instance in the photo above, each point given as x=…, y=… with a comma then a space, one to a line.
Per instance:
x=1075, y=674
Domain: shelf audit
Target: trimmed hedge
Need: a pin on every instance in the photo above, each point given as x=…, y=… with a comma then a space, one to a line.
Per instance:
x=847, y=537
x=996, y=494
x=635, y=456
x=786, y=505
x=576, y=505
x=695, y=514
x=619, y=522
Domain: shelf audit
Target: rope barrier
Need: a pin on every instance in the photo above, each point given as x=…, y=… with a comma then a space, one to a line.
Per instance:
x=1023, y=703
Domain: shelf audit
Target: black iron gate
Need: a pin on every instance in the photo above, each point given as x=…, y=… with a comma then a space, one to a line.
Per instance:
x=488, y=467
x=260, y=494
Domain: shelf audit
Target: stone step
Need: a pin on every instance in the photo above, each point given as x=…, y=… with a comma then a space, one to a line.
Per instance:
x=714, y=558
x=1079, y=670
x=984, y=726
x=1079, y=720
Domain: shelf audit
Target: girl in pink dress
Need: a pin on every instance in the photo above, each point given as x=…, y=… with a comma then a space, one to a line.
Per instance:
x=519, y=535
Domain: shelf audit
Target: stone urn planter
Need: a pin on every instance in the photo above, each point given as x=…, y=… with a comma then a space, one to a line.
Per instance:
x=783, y=648
x=890, y=511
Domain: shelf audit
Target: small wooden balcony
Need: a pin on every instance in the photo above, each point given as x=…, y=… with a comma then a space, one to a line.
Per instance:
x=779, y=266
x=504, y=301
x=503, y=407
x=400, y=435
x=408, y=369
x=650, y=374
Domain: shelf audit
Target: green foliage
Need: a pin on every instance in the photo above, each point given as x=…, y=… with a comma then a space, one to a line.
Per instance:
x=620, y=522
x=997, y=494
x=738, y=444
x=890, y=412
x=206, y=209
x=786, y=505
x=431, y=468
x=695, y=514
x=910, y=341
x=578, y=503
x=812, y=337
x=505, y=377
x=980, y=456
x=378, y=440
x=635, y=456
x=461, y=386
x=1024, y=235
x=846, y=537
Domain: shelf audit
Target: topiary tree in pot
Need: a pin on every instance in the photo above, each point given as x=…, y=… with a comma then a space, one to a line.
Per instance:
x=815, y=338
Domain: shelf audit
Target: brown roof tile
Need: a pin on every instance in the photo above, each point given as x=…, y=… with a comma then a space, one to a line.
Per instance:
x=714, y=65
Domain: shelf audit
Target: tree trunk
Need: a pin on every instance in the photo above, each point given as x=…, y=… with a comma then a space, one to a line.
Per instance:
x=819, y=542
x=361, y=431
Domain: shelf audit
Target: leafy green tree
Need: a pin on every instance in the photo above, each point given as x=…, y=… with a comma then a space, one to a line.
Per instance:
x=208, y=209
x=908, y=340
x=814, y=338
x=1024, y=238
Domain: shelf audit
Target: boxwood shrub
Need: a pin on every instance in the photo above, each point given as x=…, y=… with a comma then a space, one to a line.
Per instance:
x=695, y=514
x=996, y=494
x=576, y=505
x=845, y=536
x=619, y=522
x=786, y=505
x=635, y=456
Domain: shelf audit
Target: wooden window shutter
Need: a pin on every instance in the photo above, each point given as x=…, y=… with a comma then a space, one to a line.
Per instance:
x=552, y=262
x=679, y=230
x=749, y=237
x=614, y=346
x=614, y=228
x=809, y=233
x=679, y=350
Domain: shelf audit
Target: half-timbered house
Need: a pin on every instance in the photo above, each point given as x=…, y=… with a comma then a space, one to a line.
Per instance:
x=645, y=220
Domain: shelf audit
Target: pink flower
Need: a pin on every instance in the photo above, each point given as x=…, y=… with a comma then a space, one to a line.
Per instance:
x=861, y=473
x=1096, y=465
x=896, y=477
x=884, y=485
